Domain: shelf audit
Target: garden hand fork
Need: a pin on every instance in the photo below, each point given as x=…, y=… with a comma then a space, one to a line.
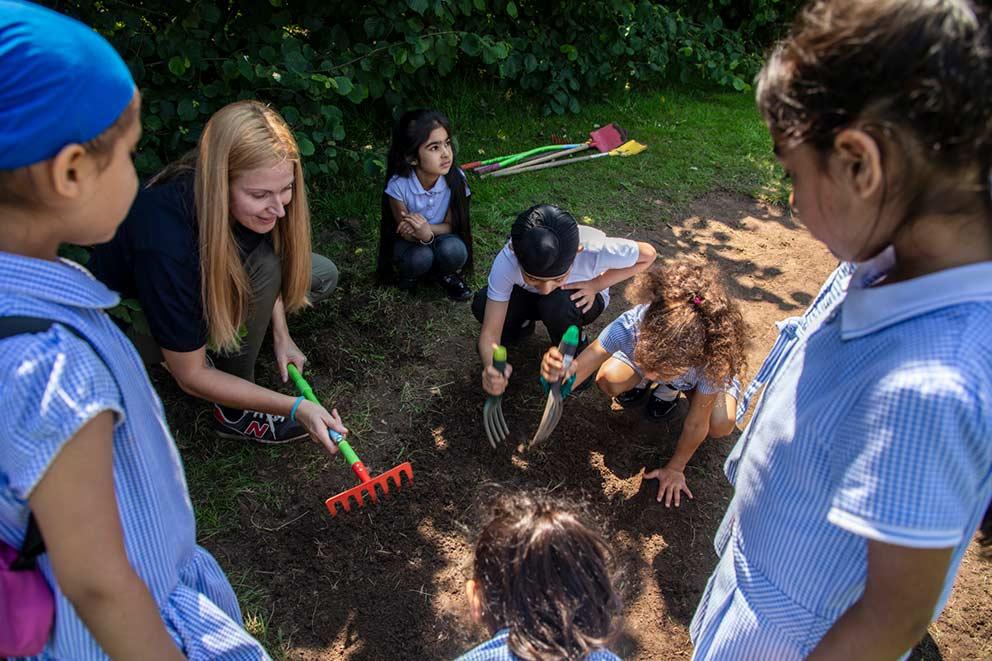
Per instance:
x=367, y=485
x=553, y=408
x=492, y=412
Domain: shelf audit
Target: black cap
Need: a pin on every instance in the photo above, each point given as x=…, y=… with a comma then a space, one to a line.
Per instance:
x=545, y=240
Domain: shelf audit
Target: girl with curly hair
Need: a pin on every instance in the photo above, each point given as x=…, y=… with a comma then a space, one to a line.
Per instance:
x=684, y=334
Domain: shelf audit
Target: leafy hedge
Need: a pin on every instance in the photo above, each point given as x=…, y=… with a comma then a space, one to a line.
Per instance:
x=320, y=62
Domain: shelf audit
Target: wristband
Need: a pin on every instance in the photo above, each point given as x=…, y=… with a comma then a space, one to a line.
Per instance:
x=296, y=405
x=427, y=243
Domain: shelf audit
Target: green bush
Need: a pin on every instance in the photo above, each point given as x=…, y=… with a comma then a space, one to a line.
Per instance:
x=320, y=62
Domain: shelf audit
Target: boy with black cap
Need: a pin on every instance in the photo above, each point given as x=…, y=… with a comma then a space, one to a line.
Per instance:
x=552, y=270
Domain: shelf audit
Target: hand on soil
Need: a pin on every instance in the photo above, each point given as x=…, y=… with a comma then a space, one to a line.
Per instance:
x=287, y=352
x=585, y=294
x=317, y=419
x=493, y=382
x=671, y=485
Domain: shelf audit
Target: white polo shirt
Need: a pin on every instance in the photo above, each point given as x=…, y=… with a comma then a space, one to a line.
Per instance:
x=875, y=424
x=599, y=253
x=431, y=204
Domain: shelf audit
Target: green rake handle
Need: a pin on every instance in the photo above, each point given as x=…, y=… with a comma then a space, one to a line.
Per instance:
x=356, y=464
x=499, y=362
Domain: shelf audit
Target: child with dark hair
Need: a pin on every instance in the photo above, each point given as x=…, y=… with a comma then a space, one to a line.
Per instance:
x=424, y=227
x=867, y=466
x=684, y=335
x=551, y=270
x=542, y=585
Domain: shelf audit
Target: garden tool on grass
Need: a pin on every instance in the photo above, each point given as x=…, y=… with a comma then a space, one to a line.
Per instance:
x=492, y=412
x=367, y=485
x=629, y=148
x=553, y=408
x=603, y=139
x=509, y=159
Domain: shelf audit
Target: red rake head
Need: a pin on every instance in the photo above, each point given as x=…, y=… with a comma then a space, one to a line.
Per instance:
x=607, y=138
x=368, y=489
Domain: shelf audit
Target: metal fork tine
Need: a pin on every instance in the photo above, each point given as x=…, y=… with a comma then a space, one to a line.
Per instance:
x=501, y=422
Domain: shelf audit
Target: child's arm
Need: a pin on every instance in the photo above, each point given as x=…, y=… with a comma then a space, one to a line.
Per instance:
x=588, y=362
x=77, y=513
x=671, y=476
x=493, y=382
x=401, y=216
x=901, y=592
x=586, y=291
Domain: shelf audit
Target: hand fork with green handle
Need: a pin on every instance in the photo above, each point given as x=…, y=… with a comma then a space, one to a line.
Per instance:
x=492, y=412
x=553, y=409
x=367, y=485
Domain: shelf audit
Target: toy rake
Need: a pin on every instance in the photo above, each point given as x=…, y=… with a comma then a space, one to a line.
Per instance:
x=492, y=412
x=367, y=485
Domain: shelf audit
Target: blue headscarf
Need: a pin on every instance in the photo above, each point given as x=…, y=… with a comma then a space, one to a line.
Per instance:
x=60, y=83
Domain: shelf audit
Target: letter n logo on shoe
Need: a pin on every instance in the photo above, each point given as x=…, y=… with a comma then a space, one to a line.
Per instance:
x=257, y=430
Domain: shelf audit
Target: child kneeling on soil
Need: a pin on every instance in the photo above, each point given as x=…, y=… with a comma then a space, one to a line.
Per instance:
x=552, y=270
x=542, y=585
x=424, y=227
x=684, y=335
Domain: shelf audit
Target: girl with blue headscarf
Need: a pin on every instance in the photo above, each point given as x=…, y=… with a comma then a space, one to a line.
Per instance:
x=86, y=457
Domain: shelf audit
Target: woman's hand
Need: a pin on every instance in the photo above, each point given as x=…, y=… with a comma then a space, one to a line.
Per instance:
x=495, y=383
x=585, y=294
x=287, y=352
x=671, y=484
x=316, y=420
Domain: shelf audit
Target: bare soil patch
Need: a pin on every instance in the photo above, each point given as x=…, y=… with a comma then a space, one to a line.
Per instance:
x=387, y=582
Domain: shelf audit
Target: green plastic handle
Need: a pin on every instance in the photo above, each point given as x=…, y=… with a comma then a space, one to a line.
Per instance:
x=499, y=358
x=307, y=391
x=570, y=341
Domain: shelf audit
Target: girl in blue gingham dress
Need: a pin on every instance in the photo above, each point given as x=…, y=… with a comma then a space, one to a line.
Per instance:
x=85, y=447
x=542, y=584
x=685, y=335
x=867, y=465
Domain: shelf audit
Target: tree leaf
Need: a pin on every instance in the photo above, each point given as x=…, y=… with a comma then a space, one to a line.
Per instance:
x=306, y=147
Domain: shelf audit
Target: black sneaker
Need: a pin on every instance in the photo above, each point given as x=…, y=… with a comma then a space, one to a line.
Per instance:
x=257, y=426
x=658, y=408
x=455, y=287
x=633, y=396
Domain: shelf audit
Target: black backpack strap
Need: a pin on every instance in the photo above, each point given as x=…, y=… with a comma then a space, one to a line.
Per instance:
x=34, y=545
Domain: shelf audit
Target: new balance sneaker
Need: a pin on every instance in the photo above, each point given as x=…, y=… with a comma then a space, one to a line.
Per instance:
x=455, y=287
x=257, y=426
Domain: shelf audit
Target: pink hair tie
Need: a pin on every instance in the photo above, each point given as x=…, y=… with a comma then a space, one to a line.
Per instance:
x=696, y=300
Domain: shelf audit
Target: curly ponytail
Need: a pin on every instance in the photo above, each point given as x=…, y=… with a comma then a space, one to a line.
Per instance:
x=690, y=322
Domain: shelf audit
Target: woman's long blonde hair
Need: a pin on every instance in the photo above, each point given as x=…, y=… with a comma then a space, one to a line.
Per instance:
x=243, y=136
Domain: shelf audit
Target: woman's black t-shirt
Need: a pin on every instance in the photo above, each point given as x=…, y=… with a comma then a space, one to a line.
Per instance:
x=155, y=258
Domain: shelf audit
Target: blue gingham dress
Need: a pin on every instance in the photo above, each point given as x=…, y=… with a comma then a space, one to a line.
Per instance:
x=498, y=649
x=51, y=385
x=875, y=424
x=619, y=339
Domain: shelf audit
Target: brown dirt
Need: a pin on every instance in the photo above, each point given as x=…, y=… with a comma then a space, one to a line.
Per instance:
x=387, y=582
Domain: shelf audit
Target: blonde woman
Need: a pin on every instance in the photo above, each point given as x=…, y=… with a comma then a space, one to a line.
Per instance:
x=216, y=249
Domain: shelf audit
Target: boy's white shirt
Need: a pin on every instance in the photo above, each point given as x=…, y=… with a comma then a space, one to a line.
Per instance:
x=599, y=253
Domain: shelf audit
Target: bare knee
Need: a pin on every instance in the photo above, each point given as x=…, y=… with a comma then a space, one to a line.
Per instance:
x=721, y=428
x=608, y=385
